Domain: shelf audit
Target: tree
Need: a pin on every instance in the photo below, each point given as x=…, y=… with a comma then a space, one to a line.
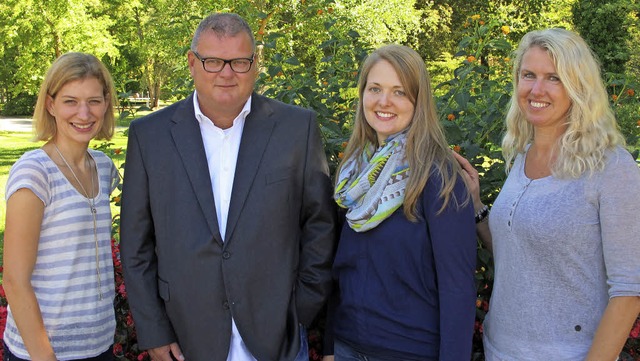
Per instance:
x=606, y=26
x=37, y=32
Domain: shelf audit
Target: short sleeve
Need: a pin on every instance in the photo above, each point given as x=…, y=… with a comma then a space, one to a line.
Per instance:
x=30, y=174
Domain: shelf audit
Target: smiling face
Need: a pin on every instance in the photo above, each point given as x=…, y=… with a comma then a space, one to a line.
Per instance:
x=79, y=108
x=542, y=97
x=387, y=107
x=222, y=95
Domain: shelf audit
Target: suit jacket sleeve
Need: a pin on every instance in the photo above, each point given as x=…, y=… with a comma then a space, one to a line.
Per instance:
x=318, y=231
x=137, y=249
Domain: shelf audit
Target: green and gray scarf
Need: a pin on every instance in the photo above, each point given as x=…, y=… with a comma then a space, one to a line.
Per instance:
x=371, y=185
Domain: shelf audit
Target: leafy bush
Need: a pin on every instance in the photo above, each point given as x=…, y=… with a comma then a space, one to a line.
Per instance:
x=22, y=104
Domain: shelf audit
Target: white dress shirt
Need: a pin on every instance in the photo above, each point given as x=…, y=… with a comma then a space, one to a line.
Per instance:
x=221, y=147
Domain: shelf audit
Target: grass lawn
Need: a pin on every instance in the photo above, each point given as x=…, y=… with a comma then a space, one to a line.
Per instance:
x=14, y=144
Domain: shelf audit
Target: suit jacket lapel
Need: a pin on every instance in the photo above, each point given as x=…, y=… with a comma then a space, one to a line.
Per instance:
x=255, y=137
x=188, y=140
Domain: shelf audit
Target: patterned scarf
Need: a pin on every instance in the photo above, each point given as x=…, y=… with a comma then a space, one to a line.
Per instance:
x=371, y=186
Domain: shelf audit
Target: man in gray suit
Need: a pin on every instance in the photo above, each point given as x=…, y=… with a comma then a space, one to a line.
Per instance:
x=228, y=224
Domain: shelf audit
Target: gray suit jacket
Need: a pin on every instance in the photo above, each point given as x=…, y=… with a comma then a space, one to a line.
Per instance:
x=271, y=273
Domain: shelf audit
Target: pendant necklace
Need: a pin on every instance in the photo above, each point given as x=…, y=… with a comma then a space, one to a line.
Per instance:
x=92, y=207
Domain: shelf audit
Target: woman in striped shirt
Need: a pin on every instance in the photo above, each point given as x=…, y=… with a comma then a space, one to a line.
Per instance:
x=58, y=271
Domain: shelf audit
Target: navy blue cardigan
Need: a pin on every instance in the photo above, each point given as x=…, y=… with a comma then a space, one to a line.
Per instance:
x=406, y=290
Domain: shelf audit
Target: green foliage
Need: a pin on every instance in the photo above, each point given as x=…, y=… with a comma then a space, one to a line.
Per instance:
x=37, y=32
x=625, y=100
x=473, y=103
x=605, y=25
x=327, y=87
x=21, y=104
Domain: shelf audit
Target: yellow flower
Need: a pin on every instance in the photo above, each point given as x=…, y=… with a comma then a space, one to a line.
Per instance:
x=457, y=149
x=471, y=58
x=631, y=92
x=505, y=29
x=475, y=17
x=481, y=22
x=451, y=117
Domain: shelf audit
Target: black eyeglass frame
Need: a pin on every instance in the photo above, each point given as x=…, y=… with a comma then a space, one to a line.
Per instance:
x=225, y=62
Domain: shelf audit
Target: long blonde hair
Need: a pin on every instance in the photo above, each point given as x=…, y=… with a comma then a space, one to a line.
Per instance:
x=427, y=149
x=69, y=67
x=591, y=128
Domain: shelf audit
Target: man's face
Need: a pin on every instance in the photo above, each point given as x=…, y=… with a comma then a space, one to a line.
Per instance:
x=226, y=92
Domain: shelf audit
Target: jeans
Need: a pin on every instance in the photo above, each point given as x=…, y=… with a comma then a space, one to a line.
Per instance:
x=105, y=356
x=303, y=355
x=343, y=352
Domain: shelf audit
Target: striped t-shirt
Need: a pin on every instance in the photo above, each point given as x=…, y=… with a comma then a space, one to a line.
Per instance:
x=65, y=280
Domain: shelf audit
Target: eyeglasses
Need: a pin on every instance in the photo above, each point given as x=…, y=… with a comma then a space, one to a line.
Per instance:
x=215, y=65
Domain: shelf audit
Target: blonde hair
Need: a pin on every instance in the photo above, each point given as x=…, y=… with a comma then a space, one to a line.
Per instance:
x=591, y=128
x=70, y=67
x=427, y=149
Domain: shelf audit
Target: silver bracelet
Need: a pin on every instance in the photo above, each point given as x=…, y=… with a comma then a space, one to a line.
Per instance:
x=482, y=214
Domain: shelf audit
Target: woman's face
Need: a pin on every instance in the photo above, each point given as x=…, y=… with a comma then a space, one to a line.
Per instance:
x=387, y=108
x=78, y=108
x=541, y=95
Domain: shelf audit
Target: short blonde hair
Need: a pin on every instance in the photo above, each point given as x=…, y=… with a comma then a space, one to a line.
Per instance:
x=70, y=67
x=591, y=124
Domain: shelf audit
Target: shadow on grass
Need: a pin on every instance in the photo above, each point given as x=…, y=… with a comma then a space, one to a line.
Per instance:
x=9, y=156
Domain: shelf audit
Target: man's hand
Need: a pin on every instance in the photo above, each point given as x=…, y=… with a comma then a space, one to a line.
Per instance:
x=164, y=353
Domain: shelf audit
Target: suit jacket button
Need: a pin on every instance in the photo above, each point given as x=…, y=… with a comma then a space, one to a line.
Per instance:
x=226, y=255
x=225, y=305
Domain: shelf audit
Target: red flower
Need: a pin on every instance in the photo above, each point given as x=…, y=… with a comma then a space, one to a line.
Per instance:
x=635, y=331
x=129, y=320
x=117, y=349
x=122, y=290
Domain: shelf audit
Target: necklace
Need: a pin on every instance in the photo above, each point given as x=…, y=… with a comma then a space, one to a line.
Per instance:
x=92, y=207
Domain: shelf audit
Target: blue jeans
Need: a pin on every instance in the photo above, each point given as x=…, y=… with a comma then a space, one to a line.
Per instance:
x=344, y=352
x=303, y=355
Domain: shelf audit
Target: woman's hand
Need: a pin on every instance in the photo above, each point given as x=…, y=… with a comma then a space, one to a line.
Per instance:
x=473, y=180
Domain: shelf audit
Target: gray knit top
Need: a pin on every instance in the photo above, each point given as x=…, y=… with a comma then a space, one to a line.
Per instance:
x=562, y=249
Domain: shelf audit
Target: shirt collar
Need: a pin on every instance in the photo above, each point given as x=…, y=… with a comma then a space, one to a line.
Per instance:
x=246, y=109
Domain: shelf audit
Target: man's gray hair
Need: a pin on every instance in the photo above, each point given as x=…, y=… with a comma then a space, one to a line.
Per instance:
x=223, y=25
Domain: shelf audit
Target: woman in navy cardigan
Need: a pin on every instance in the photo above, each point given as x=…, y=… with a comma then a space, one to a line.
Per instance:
x=407, y=254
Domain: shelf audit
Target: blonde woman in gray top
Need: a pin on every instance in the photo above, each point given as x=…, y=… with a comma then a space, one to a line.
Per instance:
x=565, y=228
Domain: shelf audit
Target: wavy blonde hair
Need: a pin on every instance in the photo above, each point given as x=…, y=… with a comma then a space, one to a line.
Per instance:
x=591, y=127
x=427, y=148
x=70, y=67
